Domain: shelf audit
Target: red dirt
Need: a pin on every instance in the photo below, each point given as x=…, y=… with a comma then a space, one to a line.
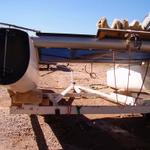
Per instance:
x=119, y=132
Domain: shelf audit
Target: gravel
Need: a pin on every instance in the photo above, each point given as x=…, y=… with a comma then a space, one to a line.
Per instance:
x=20, y=132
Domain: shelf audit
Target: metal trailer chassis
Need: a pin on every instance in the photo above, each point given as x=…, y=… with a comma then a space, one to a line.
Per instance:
x=130, y=106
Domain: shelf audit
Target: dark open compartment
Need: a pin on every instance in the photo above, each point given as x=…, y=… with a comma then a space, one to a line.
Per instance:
x=14, y=55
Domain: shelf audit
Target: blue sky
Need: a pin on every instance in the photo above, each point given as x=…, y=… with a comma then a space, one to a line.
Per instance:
x=70, y=16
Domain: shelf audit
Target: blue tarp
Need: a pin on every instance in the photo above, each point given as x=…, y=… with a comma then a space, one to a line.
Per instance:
x=86, y=55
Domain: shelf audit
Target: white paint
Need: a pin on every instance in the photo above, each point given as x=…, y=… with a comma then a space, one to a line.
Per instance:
x=136, y=76
x=31, y=77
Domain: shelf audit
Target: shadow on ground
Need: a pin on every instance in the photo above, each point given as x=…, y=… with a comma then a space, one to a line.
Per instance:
x=78, y=132
x=39, y=136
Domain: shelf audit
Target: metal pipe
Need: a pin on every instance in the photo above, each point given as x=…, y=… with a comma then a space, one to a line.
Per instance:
x=86, y=43
x=121, y=99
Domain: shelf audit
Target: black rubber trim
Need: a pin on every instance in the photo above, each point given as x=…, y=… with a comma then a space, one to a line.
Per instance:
x=66, y=35
x=15, y=53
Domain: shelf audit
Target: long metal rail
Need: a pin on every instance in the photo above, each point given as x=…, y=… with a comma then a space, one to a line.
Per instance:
x=31, y=109
x=86, y=42
x=19, y=27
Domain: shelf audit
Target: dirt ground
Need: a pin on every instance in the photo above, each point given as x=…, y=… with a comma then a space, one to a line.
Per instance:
x=76, y=132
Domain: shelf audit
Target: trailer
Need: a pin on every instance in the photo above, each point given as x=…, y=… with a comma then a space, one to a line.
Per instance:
x=22, y=55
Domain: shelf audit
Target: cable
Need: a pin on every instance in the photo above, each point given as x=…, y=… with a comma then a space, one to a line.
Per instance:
x=115, y=74
x=142, y=82
x=19, y=27
x=91, y=73
x=129, y=67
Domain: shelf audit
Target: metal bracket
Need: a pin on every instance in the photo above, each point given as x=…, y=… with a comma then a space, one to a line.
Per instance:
x=135, y=38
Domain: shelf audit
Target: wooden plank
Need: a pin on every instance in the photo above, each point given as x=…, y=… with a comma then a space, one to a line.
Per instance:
x=121, y=33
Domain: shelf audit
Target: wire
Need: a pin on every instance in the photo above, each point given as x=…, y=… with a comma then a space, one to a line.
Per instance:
x=142, y=82
x=91, y=73
x=114, y=57
x=19, y=27
x=129, y=68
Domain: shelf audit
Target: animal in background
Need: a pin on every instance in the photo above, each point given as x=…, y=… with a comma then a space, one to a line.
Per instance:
x=125, y=24
x=135, y=25
x=102, y=23
x=116, y=24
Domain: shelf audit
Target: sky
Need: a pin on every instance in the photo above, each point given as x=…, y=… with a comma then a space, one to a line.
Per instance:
x=70, y=16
